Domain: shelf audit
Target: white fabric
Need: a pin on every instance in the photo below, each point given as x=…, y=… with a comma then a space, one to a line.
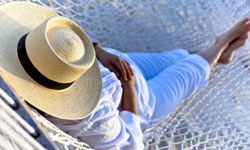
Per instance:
x=106, y=128
x=171, y=76
x=191, y=24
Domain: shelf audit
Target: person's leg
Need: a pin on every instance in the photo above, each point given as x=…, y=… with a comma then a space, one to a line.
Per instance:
x=183, y=78
x=177, y=82
x=151, y=64
x=223, y=49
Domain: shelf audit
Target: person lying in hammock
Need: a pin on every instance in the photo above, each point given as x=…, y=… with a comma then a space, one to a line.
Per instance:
x=50, y=62
x=151, y=86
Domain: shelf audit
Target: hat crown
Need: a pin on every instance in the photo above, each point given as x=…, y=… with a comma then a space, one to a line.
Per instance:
x=28, y=54
x=60, y=50
x=66, y=44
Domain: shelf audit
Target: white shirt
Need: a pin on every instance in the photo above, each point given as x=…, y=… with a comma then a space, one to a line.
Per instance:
x=108, y=127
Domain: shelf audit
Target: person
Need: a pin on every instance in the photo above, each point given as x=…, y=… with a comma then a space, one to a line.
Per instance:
x=137, y=90
x=169, y=77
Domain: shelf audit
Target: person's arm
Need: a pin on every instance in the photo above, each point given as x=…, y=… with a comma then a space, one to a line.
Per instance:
x=114, y=63
x=99, y=51
x=106, y=127
x=123, y=71
x=129, y=96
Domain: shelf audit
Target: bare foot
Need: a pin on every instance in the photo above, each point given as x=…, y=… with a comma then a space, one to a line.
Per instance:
x=239, y=29
x=227, y=56
x=226, y=44
x=233, y=39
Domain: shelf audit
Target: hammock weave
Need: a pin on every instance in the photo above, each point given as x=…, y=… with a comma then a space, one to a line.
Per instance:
x=217, y=117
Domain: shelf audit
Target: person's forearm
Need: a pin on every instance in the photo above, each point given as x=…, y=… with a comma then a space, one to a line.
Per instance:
x=129, y=99
x=128, y=95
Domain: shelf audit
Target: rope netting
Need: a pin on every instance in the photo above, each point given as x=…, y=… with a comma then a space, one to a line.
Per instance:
x=12, y=135
x=218, y=117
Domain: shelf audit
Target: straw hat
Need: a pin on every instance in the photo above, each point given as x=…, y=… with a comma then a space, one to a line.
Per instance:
x=48, y=60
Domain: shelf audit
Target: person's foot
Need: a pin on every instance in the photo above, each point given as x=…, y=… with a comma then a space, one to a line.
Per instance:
x=227, y=56
x=233, y=39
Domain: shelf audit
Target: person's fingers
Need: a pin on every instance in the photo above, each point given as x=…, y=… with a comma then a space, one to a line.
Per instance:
x=127, y=70
x=129, y=67
x=132, y=72
x=112, y=69
x=118, y=63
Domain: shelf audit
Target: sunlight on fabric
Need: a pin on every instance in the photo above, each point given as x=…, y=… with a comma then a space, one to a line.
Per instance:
x=218, y=117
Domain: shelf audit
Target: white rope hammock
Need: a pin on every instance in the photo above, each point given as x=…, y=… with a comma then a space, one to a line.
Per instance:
x=218, y=117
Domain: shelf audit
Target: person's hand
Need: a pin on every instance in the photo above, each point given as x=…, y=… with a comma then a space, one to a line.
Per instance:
x=129, y=84
x=115, y=64
x=124, y=72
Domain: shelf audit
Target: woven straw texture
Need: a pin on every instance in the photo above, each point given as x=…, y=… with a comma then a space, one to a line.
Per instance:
x=43, y=34
x=217, y=117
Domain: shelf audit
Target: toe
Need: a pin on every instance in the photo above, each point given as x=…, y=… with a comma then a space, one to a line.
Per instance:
x=245, y=20
x=246, y=27
x=239, y=29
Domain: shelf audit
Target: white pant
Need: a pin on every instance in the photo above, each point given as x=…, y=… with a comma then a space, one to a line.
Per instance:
x=171, y=76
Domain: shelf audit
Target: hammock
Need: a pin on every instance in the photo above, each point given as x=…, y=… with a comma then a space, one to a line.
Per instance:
x=217, y=117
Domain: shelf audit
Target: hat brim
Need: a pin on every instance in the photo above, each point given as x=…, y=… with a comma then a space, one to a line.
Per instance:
x=74, y=102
